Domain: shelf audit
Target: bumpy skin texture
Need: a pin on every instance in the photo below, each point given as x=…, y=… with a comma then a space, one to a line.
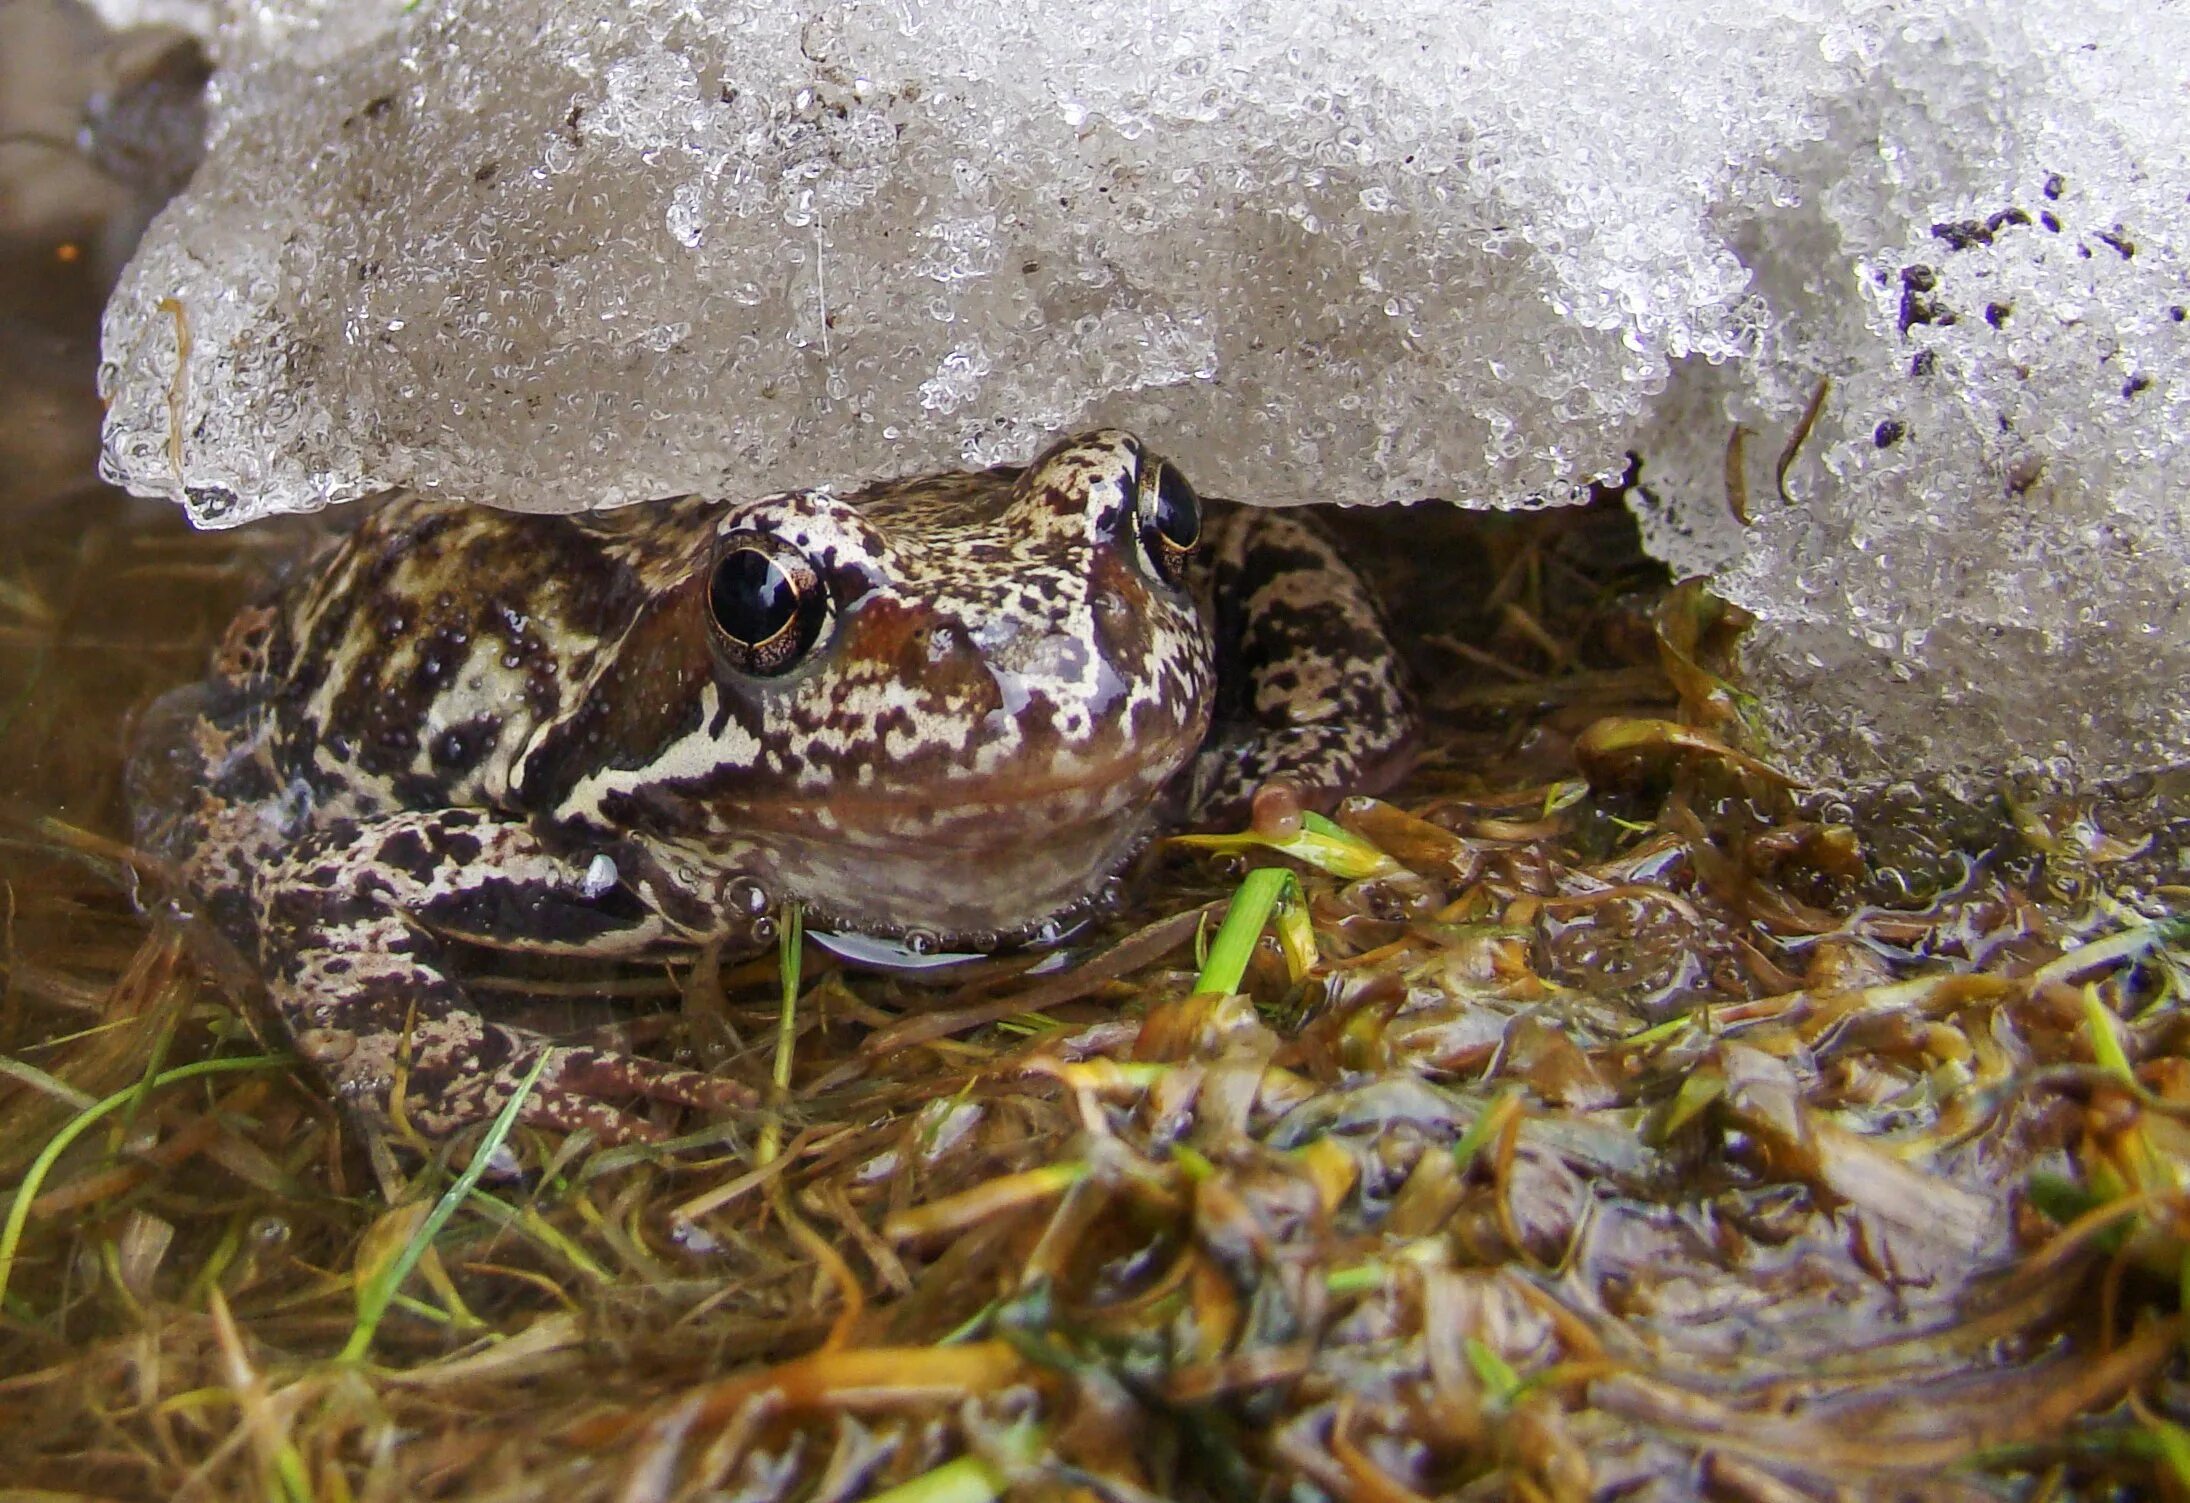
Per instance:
x=473, y=727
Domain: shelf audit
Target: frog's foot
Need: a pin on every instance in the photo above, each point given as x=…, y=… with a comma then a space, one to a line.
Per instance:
x=1313, y=691
x=455, y=1077
x=445, y=1068
x=351, y=947
x=575, y=1090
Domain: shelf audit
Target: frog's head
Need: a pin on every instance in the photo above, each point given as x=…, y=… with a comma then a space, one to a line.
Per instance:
x=948, y=704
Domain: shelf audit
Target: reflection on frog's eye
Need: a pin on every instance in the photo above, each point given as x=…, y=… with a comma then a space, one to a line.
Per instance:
x=768, y=603
x=1168, y=518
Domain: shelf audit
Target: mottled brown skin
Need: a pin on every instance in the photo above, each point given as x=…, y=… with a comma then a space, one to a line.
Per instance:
x=534, y=733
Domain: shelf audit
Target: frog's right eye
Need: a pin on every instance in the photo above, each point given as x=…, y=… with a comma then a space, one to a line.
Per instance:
x=1167, y=515
x=768, y=603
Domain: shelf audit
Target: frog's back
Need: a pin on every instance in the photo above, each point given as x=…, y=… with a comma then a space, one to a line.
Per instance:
x=399, y=667
x=410, y=668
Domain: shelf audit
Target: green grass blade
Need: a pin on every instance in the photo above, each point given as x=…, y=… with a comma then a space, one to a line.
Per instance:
x=790, y=962
x=11, y=1234
x=1487, y=1122
x=1243, y=924
x=970, y=1479
x=2106, y=1041
x=1318, y=843
x=374, y=1298
x=790, y=956
x=1493, y=1371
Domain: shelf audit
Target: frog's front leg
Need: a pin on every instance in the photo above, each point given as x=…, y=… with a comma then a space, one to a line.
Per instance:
x=352, y=944
x=1311, y=688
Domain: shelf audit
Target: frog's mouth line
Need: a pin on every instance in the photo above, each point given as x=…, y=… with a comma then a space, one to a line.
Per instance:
x=999, y=813
x=968, y=908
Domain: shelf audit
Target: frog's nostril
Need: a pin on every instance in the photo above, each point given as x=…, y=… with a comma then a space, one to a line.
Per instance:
x=941, y=642
x=960, y=642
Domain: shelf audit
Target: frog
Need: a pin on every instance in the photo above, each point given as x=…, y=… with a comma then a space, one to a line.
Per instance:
x=946, y=710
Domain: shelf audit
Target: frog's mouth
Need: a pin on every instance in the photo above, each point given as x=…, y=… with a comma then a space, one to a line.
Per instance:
x=979, y=862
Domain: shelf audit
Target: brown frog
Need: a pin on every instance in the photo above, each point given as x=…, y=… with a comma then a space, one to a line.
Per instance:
x=946, y=708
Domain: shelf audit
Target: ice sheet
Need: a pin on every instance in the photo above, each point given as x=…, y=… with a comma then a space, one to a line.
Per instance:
x=550, y=257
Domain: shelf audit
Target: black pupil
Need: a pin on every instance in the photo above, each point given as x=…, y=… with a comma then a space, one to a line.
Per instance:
x=1178, y=510
x=752, y=598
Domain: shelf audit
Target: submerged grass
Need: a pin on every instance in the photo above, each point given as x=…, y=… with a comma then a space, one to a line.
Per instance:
x=1250, y=912
x=25, y=1198
x=379, y=1287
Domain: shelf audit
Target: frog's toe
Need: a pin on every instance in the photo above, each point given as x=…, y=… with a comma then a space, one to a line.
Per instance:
x=461, y=1071
x=605, y=1075
x=579, y=1086
x=568, y=1112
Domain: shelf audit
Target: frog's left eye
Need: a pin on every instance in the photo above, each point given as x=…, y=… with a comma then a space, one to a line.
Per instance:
x=1169, y=516
x=768, y=603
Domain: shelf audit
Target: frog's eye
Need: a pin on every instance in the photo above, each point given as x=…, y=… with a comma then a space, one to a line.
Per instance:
x=1169, y=517
x=768, y=603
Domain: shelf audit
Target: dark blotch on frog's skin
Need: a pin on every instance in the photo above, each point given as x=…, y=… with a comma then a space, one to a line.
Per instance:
x=407, y=852
x=461, y=748
x=526, y=732
x=562, y=920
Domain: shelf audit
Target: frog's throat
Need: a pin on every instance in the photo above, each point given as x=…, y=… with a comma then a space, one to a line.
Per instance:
x=954, y=886
x=978, y=857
